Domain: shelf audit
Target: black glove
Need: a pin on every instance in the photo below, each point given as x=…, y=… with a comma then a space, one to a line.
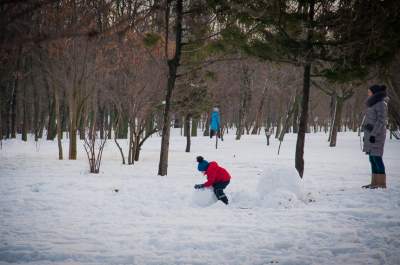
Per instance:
x=199, y=186
x=368, y=127
x=372, y=139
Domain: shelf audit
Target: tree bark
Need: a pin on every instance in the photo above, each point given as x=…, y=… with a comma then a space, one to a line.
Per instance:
x=172, y=70
x=24, y=134
x=207, y=126
x=72, y=136
x=13, y=110
x=295, y=122
x=109, y=120
x=58, y=124
x=278, y=126
x=286, y=124
x=187, y=131
x=245, y=97
x=195, y=122
x=132, y=151
x=117, y=121
x=101, y=122
x=299, y=159
x=336, y=121
x=137, y=147
x=51, y=124
x=332, y=113
x=260, y=112
x=51, y=131
x=82, y=125
x=75, y=108
x=36, y=115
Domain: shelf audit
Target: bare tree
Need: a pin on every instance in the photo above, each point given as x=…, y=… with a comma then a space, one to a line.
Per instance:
x=340, y=94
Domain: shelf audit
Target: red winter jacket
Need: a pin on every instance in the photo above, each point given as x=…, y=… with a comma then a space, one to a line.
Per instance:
x=215, y=173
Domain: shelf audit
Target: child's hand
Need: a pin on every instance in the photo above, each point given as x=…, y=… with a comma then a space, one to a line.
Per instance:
x=199, y=186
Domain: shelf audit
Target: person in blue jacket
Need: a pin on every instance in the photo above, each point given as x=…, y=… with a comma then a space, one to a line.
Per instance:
x=215, y=124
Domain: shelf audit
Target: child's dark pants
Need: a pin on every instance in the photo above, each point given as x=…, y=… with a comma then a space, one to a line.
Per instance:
x=219, y=191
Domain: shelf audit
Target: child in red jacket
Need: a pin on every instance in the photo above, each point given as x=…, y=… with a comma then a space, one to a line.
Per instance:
x=217, y=177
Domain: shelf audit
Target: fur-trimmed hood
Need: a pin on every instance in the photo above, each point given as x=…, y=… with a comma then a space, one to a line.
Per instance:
x=375, y=98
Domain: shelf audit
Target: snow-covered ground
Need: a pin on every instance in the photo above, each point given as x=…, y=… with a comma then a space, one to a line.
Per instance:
x=55, y=212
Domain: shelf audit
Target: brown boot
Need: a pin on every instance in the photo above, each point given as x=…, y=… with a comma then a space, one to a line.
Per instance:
x=381, y=181
x=373, y=183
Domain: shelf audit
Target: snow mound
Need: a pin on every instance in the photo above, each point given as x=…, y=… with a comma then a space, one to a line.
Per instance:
x=280, y=188
x=204, y=197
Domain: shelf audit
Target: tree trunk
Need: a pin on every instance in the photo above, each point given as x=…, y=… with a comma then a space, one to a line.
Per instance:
x=299, y=160
x=187, y=131
x=101, y=121
x=13, y=110
x=137, y=147
x=245, y=97
x=73, y=128
x=41, y=123
x=165, y=134
x=117, y=121
x=132, y=151
x=51, y=105
x=257, y=123
x=24, y=135
x=64, y=117
x=207, y=126
x=58, y=124
x=295, y=120
x=6, y=117
x=172, y=70
x=36, y=115
x=299, y=157
x=149, y=126
x=51, y=130
x=109, y=121
x=195, y=122
x=82, y=125
x=332, y=114
x=336, y=121
x=72, y=137
x=288, y=118
x=278, y=126
x=247, y=127
x=122, y=130
x=1, y=123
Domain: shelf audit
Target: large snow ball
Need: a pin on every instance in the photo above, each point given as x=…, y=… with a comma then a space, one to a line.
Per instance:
x=204, y=197
x=280, y=188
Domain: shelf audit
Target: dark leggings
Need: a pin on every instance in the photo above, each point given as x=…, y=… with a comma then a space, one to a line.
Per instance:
x=215, y=132
x=377, y=165
x=219, y=189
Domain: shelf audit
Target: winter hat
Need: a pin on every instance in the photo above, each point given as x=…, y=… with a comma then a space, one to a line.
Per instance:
x=203, y=164
x=377, y=88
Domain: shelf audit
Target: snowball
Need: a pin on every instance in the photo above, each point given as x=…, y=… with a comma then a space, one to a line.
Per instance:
x=204, y=197
x=280, y=187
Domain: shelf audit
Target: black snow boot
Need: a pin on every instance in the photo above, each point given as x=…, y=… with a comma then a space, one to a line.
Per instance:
x=224, y=200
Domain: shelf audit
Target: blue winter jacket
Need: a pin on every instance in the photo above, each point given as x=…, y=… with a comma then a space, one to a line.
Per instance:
x=215, y=122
